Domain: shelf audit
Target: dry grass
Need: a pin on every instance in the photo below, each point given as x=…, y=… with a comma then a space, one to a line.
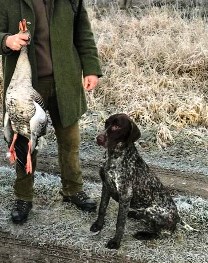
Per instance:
x=155, y=67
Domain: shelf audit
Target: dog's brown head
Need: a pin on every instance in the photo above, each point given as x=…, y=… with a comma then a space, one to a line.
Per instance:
x=119, y=128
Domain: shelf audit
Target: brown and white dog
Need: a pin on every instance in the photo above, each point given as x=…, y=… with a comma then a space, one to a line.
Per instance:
x=127, y=179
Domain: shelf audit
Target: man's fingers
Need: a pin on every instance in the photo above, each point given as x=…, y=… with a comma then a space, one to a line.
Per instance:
x=90, y=82
x=23, y=43
x=23, y=36
x=89, y=86
x=15, y=42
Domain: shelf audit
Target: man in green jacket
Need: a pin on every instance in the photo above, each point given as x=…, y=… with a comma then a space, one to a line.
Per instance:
x=62, y=52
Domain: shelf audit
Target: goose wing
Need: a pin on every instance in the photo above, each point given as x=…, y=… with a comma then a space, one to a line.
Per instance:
x=38, y=124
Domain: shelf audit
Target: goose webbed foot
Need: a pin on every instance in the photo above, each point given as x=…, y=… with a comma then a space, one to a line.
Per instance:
x=12, y=152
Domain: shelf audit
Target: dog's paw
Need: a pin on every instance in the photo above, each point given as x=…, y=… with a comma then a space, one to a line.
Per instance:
x=113, y=244
x=96, y=227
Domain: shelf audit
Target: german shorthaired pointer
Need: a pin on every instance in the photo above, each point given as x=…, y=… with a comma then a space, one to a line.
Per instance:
x=127, y=179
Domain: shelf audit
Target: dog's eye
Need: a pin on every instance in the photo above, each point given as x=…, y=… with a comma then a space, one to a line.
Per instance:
x=115, y=128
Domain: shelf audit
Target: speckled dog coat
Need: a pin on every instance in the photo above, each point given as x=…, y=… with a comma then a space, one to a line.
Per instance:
x=127, y=179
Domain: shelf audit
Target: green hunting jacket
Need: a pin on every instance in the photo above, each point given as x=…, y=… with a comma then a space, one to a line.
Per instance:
x=71, y=57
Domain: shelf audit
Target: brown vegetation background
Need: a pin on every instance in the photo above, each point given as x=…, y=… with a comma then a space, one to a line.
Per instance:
x=155, y=64
x=147, y=3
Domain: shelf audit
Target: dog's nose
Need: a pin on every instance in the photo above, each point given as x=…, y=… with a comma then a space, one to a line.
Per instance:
x=101, y=139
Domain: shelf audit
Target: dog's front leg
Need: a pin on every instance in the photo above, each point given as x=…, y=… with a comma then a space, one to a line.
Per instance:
x=105, y=197
x=124, y=204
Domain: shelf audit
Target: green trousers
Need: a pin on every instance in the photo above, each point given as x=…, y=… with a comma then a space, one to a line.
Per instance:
x=68, y=140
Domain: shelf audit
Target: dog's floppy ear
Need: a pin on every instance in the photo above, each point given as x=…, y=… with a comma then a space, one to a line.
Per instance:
x=135, y=133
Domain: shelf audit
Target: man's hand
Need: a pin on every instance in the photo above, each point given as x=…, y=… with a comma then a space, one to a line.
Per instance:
x=90, y=82
x=17, y=41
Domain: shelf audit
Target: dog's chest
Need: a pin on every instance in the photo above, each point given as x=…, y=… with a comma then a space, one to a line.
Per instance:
x=116, y=172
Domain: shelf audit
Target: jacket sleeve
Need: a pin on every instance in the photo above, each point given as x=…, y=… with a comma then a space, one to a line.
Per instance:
x=85, y=44
x=3, y=29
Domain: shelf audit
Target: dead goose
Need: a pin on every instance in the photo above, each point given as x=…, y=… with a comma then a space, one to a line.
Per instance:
x=25, y=113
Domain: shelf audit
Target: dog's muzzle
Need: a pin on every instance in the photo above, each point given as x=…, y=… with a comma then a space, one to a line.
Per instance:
x=102, y=140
